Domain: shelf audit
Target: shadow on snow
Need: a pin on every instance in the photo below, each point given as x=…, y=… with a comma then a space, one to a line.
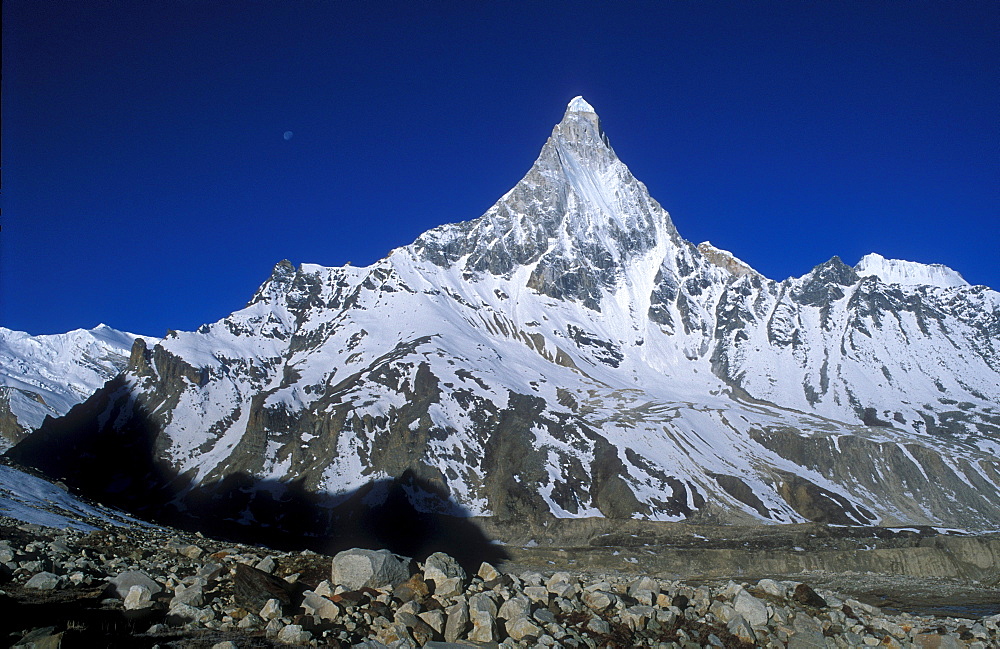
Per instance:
x=121, y=467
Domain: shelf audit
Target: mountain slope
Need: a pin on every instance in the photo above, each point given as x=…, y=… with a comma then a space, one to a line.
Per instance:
x=569, y=354
x=44, y=376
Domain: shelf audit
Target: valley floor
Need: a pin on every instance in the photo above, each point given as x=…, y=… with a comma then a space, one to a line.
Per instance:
x=619, y=584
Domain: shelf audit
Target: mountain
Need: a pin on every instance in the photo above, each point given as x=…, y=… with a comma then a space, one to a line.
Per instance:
x=43, y=376
x=566, y=354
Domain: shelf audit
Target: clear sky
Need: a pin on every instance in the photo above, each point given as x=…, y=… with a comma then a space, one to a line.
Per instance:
x=159, y=157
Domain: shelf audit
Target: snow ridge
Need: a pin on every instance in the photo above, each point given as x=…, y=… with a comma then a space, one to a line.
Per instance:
x=908, y=273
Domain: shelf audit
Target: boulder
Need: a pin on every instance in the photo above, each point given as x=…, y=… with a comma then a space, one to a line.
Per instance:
x=753, y=610
x=321, y=607
x=439, y=566
x=521, y=628
x=138, y=597
x=356, y=568
x=483, y=615
x=294, y=634
x=125, y=580
x=43, y=581
x=271, y=610
x=252, y=588
x=804, y=594
x=457, y=622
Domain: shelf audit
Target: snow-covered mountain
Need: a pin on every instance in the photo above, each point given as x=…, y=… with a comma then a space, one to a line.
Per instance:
x=47, y=375
x=569, y=354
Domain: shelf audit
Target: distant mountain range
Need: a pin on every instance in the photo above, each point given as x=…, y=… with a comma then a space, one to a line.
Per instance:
x=44, y=376
x=566, y=354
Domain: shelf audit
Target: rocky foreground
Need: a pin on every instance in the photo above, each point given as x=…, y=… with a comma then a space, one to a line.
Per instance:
x=159, y=587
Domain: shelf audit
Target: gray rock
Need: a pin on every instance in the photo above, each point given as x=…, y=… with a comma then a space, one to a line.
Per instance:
x=771, y=587
x=273, y=628
x=450, y=587
x=740, y=628
x=521, y=627
x=457, y=623
x=358, y=568
x=183, y=613
x=808, y=640
x=271, y=610
x=41, y=638
x=597, y=625
x=752, y=609
x=544, y=616
x=635, y=617
x=435, y=619
x=598, y=600
x=439, y=566
x=643, y=584
x=514, y=608
x=482, y=614
x=321, y=607
x=138, y=597
x=538, y=594
x=190, y=595
x=487, y=572
x=935, y=641
x=43, y=581
x=723, y=612
x=125, y=580
x=531, y=578
x=266, y=564
x=294, y=634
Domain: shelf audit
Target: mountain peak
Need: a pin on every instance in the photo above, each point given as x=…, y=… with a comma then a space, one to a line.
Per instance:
x=579, y=105
x=577, y=217
x=908, y=273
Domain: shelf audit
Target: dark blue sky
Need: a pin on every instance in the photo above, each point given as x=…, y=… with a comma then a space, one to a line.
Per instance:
x=147, y=183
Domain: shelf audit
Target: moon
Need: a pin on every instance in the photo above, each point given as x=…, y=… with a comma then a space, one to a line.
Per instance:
x=288, y=135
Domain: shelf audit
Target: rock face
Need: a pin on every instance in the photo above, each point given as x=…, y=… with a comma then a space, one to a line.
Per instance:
x=567, y=354
x=44, y=376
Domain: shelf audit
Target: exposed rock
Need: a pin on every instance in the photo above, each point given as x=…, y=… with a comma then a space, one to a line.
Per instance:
x=415, y=588
x=138, y=597
x=357, y=568
x=521, y=627
x=804, y=594
x=293, y=634
x=254, y=588
x=43, y=581
x=125, y=580
x=42, y=638
x=440, y=566
x=457, y=623
x=597, y=610
x=321, y=607
x=752, y=609
x=487, y=572
x=192, y=595
x=271, y=610
x=482, y=615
